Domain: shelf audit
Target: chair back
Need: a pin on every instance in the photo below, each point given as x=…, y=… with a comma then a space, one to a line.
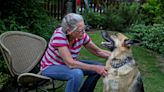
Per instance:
x=22, y=51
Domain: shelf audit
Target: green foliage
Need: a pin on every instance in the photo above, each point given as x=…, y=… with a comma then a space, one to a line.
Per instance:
x=152, y=12
x=26, y=15
x=162, y=5
x=121, y=17
x=10, y=24
x=94, y=19
x=115, y=17
x=4, y=78
x=3, y=65
x=151, y=36
x=114, y=22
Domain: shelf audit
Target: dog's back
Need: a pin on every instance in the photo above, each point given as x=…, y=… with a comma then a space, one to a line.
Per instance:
x=124, y=75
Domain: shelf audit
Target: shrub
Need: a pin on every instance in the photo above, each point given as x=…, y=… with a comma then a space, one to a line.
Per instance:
x=117, y=17
x=113, y=21
x=151, y=36
x=152, y=12
x=3, y=65
x=94, y=19
x=26, y=15
x=121, y=17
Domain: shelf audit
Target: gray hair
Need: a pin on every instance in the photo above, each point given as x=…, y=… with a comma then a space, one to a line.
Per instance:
x=70, y=21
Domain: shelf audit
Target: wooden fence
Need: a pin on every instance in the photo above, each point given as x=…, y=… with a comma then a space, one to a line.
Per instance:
x=58, y=8
x=55, y=8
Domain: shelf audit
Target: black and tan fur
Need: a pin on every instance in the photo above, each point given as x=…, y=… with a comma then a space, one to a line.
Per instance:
x=124, y=75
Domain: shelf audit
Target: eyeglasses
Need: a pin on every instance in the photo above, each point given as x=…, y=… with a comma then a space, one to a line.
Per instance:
x=81, y=30
x=78, y=31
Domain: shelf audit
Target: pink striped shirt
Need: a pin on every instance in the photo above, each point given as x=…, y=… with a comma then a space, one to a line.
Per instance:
x=59, y=39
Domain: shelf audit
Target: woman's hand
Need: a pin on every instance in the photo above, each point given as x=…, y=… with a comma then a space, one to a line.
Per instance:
x=101, y=70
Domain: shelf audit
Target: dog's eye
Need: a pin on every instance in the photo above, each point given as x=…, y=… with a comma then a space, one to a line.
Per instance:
x=126, y=40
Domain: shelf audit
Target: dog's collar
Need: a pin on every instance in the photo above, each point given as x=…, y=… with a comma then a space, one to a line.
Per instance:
x=123, y=62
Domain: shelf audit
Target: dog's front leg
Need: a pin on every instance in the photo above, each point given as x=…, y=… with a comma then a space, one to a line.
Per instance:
x=106, y=85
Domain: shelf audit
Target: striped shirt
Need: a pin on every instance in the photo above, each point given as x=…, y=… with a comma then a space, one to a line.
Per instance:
x=59, y=39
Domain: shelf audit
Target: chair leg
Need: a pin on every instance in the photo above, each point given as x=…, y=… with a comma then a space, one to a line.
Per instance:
x=53, y=84
x=36, y=87
x=18, y=89
x=21, y=89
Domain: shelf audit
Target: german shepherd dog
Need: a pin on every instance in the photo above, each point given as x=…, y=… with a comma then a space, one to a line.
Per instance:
x=124, y=75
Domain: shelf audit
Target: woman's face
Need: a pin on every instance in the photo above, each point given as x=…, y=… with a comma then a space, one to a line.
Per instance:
x=78, y=33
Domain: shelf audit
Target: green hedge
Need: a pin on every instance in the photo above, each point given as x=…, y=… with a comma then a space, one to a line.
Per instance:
x=26, y=15
x=152, y=37
x=117, y=17
x=152, y=12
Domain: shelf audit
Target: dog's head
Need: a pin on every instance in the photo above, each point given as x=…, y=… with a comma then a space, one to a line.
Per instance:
x=117, y=40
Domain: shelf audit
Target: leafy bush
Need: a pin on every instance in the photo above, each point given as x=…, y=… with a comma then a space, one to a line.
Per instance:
x=115, y=17
x=10, y=24
x=4, y=78
x=121, y=17
x=3, y=65
x=26, y=15
x=94, y=19
x=151, y=36
x=114, y=21
x=152, y=12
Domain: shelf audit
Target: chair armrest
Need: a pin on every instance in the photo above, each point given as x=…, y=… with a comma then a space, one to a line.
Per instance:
x=31, y=79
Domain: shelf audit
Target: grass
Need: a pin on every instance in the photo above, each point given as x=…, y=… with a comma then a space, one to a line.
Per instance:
x=148, y=64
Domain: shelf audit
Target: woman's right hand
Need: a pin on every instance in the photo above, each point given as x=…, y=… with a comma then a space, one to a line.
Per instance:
x=101, y=70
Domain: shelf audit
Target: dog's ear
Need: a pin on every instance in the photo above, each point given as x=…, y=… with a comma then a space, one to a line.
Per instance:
x=129, y=42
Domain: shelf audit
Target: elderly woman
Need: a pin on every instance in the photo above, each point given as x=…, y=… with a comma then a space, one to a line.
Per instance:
x=60, y=59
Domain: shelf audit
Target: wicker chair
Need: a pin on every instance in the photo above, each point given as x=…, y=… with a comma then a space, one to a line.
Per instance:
x=22, y=52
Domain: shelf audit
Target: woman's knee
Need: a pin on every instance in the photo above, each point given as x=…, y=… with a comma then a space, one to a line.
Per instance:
x=77, y=77
x=77, y=73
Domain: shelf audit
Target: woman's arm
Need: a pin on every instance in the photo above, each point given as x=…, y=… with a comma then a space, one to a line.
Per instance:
x=97, y=51
x=70, y=62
